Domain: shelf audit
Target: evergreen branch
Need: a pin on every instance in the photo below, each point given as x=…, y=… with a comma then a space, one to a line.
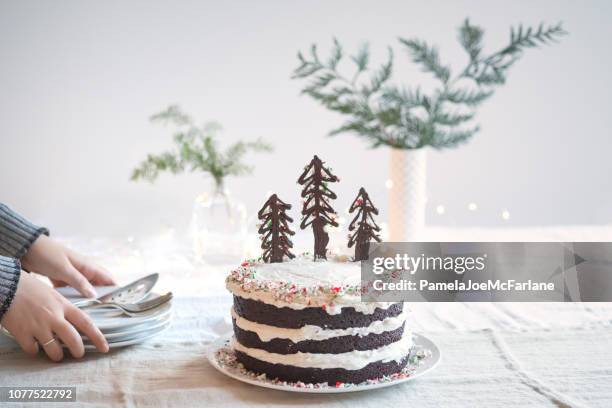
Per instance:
x=389, y=116
x=306, y=69
x=172, y=114
x=231, y=160
x=211, y=127
x=195, y=149
x=450, y=119
x=314, y=54
x=493, y=75
x=470, y=37
x=382, y=75
x=361, y=128
x=362, y=58
x=405, y=117
x=323, y=79
x=427, y=57
x=336, y=55
x=492, y=69
x=527, y=38
x=150, y=168
x=470, y=98
x=454, y=138
x=405, y=97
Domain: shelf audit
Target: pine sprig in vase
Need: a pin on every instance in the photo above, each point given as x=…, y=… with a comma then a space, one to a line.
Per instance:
x=196, y=150
x=406, y=117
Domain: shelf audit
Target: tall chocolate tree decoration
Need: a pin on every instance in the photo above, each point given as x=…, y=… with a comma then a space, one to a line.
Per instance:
x=317, y=210
x=275, y=230
x=363, y=227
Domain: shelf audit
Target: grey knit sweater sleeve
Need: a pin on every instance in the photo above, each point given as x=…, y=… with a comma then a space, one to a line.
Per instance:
x=16, y=233
x=10, y=271
x=16, y=236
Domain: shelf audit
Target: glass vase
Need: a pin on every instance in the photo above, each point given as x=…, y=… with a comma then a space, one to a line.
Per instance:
x=219, y=227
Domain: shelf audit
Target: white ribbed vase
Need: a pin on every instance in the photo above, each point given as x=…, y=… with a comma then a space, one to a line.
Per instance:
x=408, y=194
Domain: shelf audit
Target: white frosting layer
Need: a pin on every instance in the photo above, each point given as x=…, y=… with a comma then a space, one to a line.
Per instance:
x=352, y=360
x=309, y=332
x=333, y=306
x=305, y=272
x=270, y=281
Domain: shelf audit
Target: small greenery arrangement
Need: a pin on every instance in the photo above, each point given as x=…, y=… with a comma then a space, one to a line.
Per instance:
x=408, y=118
x=196, y=149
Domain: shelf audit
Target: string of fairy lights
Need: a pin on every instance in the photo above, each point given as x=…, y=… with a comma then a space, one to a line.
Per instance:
x=440, y=209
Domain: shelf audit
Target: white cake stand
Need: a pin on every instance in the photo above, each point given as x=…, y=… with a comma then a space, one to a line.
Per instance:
x=429, y=353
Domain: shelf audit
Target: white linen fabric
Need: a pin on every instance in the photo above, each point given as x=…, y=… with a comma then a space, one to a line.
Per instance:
x=493, y=355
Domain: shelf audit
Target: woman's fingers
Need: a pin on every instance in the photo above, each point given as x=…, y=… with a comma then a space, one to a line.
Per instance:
x=38, y=314
x=94, y=273
x=78, y=281
x=101, y=276
x=51, y=345
x=86, y=326
x=57, y=283
x=28, y=343
x=70, y=337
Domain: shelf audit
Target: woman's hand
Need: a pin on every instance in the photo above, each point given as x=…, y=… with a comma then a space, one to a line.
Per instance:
x=64, y=266
x=38, y=314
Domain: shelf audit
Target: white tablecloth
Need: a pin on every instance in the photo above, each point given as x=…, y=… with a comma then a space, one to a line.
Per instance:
x=494, y=355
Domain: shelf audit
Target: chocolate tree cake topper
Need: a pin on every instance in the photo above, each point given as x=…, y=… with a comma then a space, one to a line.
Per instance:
x=364, y=227
x=316, y=209
x=275, y=230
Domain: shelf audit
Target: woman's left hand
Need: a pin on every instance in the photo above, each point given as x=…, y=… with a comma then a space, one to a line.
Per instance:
x=64, y=266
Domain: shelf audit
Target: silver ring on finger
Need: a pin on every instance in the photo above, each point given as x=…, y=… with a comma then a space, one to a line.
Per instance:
x=49, y=342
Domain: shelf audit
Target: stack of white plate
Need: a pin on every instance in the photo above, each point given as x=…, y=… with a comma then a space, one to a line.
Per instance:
x=121, y=330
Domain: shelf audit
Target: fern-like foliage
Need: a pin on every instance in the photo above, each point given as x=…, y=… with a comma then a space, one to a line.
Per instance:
x=405, y=117
x=196, y=149
x=427, y=57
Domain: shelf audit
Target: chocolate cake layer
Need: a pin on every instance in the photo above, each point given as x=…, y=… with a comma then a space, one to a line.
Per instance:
x=335, y=345
x=264, y=313
x=320, y=375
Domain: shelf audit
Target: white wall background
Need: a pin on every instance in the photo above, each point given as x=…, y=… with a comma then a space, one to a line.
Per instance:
x=78, y=81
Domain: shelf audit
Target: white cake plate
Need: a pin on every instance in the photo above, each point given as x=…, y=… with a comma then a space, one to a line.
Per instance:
x=219, y=351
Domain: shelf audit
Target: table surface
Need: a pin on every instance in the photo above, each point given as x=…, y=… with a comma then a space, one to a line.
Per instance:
x=494, y=354
x=513, y=354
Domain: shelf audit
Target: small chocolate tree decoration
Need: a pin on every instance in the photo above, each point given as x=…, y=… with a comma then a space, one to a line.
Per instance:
x=275, y=230
x=317, y=210
x=364, y=227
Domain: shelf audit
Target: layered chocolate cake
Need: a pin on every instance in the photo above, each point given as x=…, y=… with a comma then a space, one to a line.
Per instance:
x=303, y=320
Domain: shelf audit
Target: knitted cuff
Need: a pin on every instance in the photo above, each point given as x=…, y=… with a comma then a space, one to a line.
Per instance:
x=10, y=271
x=16, y=233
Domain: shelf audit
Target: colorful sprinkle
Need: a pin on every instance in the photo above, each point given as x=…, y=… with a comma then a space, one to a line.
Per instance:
x=245, y=278
x=226, y=358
